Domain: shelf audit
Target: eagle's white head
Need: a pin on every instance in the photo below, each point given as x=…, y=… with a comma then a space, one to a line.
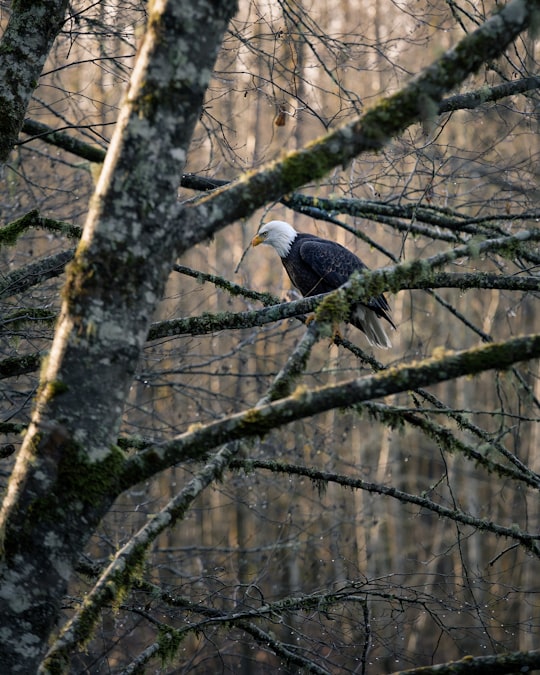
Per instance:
x=276, y=233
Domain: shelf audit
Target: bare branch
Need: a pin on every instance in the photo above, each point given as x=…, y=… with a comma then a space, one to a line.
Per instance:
x=530, y=541
x=496, y=664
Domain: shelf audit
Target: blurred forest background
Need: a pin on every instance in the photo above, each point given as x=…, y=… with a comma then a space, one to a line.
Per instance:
x=361, y=581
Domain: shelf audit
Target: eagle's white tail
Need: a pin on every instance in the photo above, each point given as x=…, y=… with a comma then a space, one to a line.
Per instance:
x=369, y=323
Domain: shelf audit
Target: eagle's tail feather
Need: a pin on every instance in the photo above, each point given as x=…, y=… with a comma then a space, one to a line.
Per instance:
x=368, y=322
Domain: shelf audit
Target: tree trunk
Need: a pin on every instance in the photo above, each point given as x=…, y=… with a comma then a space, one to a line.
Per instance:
x=26, y=43
x=66, y=473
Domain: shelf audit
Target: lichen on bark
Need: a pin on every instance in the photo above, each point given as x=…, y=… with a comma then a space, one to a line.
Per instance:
x=66, y=472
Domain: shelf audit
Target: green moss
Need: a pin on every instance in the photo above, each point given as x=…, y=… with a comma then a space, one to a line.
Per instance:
x=100, y=477
x=257, y=422
x=115, y=591
x=333, y=309
x=55, y=388
x=18, y=365
x=21, y=317
x=77, y=272
x=321, y=486
x=391, y=417
x=10, y=233
x=80, y=484
x=169, y=641
x=121, y=583
x=414, y=271
x=312, y=163
x=253, y=416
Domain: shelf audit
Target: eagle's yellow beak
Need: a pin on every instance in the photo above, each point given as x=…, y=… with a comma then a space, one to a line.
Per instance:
x=257, y=239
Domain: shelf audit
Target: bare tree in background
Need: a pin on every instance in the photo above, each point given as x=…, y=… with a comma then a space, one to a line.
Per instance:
x=195, y=480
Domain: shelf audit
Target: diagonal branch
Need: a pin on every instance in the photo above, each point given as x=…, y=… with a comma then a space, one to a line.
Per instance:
x=417, y=101
x=531, y=542
x=259, y=421
x=119, y=576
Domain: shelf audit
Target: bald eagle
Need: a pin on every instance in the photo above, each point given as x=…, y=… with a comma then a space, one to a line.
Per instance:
x=316, y=265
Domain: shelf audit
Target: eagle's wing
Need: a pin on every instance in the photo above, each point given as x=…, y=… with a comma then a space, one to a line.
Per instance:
x=335, y=264
x=331, y=261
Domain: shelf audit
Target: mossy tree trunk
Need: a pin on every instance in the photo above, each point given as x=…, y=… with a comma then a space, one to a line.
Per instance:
x=65, y=476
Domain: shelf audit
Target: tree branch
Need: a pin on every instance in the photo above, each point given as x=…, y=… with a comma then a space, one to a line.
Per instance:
x=531, y=542
x=10, y=233
x=473, y=99
x=259, y=421
x=119, y=576
x=218, y=321
x=36, y=273
x=60, y=139
x=396, y=415
x=497, y=664
x=67, y=466
x=25, y=45
x=418, y=100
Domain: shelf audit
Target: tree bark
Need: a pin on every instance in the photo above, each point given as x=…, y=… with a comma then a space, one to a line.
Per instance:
x=497, y=664
x=66, y=472
x=26, y=43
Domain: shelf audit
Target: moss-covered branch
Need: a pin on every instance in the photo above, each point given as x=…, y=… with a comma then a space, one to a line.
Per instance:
x=473, y=99
x=418, y=100
x=13, y=366
x=213, y=322
x=117, y=579
x=167, y=643
x=126, y=566
x=487, y=439
x=416, y=274
x=60, y=139
x=305, y=403
x=437, y=217
x=36, y=273
x=169, y=638
x=12, y=231
x=229, y=286
x=24, y=316
x=395, y=416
